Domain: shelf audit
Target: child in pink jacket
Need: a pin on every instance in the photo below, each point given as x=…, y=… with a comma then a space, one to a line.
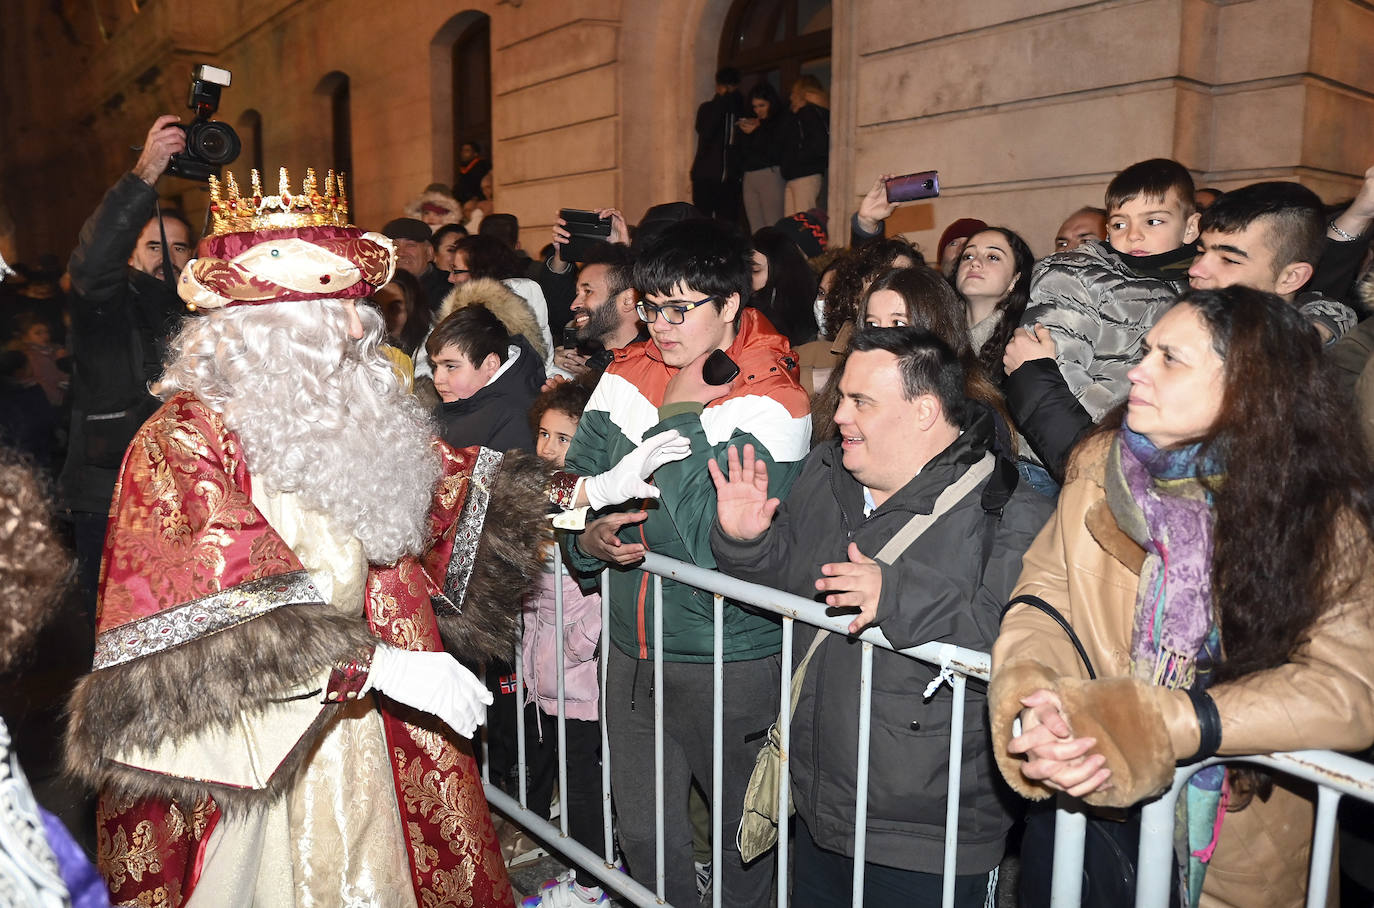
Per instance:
x=554, y=416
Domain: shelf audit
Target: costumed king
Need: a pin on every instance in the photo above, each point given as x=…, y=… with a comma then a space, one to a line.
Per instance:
x=272, y=718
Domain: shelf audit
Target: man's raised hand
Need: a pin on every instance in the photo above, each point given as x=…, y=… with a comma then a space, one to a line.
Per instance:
x=743, y=507
x=165, y=138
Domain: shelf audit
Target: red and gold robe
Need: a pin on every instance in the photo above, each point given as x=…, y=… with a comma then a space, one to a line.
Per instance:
x=217, y=692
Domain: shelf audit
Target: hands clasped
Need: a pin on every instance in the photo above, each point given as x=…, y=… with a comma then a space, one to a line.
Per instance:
x=1053, y=755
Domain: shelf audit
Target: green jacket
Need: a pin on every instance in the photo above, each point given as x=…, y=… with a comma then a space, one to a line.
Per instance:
x=765, y=408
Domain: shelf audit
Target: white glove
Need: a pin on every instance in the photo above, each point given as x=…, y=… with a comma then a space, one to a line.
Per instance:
x=626, y=480
x=435, y=683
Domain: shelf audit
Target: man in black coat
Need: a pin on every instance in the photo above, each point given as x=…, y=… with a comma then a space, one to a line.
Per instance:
x=124, y=310
x=907, y=433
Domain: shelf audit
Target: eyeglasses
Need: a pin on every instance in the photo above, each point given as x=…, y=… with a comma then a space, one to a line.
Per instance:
x=673, y=313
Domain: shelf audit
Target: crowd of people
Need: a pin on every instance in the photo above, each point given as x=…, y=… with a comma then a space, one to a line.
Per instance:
x=322, y=498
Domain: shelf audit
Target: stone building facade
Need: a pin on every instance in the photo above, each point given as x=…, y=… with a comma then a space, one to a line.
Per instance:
x=1026, y=107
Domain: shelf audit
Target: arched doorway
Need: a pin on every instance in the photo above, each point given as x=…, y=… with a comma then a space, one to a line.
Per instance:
x=460, y=66
x=777, y=40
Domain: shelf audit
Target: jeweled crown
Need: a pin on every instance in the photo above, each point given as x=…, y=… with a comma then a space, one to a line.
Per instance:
x=231, y=212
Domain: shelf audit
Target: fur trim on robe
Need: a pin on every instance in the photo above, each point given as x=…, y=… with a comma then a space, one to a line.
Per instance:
x=508, y=563
x=207, y=682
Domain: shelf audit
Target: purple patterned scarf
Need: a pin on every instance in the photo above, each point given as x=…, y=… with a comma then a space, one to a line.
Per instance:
x=1159, y=502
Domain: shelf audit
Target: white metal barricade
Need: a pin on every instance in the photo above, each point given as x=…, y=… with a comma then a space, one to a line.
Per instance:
x=1335, y=774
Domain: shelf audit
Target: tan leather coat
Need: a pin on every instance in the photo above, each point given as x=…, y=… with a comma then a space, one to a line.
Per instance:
x=1086, y=567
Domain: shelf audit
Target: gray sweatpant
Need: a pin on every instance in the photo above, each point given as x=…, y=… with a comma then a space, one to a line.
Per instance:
x=750, y=706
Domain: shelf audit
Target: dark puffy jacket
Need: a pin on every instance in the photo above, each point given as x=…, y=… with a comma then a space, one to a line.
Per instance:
x=121, y=321
x=497, y=416
x=937, y=590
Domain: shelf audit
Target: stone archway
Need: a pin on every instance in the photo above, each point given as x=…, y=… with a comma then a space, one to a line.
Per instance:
x=668, y=51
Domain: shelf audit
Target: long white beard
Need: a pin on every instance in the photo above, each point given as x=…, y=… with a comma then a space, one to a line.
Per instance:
x=372, y=471
x=318, y=414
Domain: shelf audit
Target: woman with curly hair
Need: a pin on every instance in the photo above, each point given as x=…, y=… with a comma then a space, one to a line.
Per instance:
x=1212, y=550
x=40, y=863
x=994, y=278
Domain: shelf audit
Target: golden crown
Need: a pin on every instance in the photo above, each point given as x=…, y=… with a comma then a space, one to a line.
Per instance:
x=231, y=212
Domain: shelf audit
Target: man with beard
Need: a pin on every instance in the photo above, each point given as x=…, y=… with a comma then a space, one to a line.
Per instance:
x=288, y=541
x=603, y=311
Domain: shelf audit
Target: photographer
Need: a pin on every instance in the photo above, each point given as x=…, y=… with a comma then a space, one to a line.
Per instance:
x=124, y=308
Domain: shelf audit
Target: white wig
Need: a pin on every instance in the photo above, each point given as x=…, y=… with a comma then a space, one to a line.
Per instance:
x=318, y=413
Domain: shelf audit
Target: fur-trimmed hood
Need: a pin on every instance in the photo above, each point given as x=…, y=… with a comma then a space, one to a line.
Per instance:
x=505, y=303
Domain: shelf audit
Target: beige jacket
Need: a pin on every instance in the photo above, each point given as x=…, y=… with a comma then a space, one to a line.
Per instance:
x=1086, y=567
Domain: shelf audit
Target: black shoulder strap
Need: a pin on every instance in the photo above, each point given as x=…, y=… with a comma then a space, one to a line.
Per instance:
x=1042, y=605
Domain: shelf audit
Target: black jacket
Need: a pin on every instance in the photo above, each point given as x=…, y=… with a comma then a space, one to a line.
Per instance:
x=937, y=591
x=121, y=322
x=762, y=148
x=497, y=416
x=806, y=142
x=717, y=158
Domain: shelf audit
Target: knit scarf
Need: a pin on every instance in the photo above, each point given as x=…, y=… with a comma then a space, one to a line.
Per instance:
x=1159, y=500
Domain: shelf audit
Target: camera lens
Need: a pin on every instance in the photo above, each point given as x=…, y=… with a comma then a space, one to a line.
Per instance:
x=215, y=143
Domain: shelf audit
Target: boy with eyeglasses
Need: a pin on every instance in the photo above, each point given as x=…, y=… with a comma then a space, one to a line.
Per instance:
x=694, y=282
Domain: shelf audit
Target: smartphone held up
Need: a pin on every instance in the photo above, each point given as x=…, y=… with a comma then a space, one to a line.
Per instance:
x=912, y=186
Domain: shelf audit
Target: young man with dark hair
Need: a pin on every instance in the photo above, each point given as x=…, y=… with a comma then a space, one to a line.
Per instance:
x=907, y=432
x=1269, y=236
x=694, y=280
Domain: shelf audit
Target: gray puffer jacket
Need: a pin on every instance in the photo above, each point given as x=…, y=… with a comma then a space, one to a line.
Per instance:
x=936, y=591
x=1098, y=311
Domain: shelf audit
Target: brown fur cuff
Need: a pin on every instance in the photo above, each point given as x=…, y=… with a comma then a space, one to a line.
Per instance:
x=1009, y=684
x=140, y=704
x=507, y=564
x=1124, y=716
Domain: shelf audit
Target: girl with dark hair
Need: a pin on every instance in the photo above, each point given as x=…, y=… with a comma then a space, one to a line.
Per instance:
x=784, y=285
x=994, y=277
x=407, y=312
x=1212, y=550
x=761, y=155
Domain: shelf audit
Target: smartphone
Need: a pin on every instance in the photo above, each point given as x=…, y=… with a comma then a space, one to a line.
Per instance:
x=913, y=186
x=585, y=230
x=719, y=369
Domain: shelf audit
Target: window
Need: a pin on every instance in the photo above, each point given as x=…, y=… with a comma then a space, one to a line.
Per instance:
x=334, y=86
x=778, y=40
